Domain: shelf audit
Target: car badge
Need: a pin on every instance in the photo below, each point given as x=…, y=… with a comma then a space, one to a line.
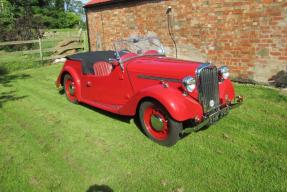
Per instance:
x=211, y=103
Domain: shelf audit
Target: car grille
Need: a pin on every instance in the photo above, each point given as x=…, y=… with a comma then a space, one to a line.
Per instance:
x=207, y=81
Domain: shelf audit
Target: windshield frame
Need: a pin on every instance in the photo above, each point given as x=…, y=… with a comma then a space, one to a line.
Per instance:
x=132, y=42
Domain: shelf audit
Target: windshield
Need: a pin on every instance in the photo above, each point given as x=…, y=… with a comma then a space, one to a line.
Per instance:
x=138, y=46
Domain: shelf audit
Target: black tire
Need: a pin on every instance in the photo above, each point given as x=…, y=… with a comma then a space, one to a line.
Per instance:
x=174, y=127
x=72, y=98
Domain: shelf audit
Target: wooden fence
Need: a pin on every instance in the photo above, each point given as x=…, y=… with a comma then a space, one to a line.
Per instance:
x=81, y=38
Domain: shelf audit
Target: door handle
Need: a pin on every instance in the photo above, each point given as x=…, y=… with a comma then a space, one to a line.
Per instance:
x=121, y=77
x=89, y=84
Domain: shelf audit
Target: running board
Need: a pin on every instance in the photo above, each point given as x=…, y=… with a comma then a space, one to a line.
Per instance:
x=104, y=106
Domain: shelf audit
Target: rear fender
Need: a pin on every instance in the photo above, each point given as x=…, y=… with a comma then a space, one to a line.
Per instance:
x=67, y=69
x=180, y=107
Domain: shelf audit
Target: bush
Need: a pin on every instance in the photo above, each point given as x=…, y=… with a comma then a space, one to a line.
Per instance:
x=280, y=79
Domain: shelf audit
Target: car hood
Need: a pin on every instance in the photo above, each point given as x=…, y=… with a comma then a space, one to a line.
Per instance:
x=162, y=66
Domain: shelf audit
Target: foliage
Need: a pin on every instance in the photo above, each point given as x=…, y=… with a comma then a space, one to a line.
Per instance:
x=75, y=5
x=23, y=20
x=280, y=79
x=49, y=144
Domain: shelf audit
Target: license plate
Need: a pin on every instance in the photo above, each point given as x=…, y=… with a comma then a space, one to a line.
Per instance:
x=217, y=115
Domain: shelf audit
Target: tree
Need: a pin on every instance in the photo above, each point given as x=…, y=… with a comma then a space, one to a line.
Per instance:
x=22, y=20
x=60, y=4
x=74, y=6
x=43, y=3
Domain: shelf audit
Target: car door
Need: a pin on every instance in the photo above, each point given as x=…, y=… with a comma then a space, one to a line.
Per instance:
x=112, y=88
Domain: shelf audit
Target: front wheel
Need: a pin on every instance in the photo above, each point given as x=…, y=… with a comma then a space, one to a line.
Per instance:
x=158, y=125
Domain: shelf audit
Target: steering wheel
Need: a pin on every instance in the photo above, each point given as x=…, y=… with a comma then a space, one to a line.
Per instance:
x=123, y=52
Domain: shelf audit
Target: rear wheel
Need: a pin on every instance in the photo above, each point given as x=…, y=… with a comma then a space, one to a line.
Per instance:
x=70, y=88
x=158, y=125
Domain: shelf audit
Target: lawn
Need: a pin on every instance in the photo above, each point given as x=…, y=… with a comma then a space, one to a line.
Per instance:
x=49, y=144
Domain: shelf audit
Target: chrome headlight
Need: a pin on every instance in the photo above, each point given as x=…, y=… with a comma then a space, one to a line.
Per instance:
x=161, y=51
x=189, y=83
x=224, y=72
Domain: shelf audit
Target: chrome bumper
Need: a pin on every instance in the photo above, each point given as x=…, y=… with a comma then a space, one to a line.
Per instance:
x=215, y=116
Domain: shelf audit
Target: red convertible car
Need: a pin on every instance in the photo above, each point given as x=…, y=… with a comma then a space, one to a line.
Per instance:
x=137, y=79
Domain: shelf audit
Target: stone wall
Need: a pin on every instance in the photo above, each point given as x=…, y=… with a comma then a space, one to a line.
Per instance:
x=248, y=36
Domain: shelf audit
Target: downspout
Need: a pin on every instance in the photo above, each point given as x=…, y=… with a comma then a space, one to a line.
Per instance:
x=88, y=28
x=169, y=25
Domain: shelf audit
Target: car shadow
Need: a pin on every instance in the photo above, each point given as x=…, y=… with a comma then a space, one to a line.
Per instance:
x=99, y=188
x=61, y=91
x=192, y=126
x=122, y=118
x=125, y=119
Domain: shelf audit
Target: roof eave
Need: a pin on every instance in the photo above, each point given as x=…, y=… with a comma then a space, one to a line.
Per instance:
x=102, y=3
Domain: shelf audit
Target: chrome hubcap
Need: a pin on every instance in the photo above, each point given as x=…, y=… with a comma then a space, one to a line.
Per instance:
x=157, y=122
x=72, y=89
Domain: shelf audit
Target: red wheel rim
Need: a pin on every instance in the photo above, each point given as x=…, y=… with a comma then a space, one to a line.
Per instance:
x=70, y=89
x=151, y=115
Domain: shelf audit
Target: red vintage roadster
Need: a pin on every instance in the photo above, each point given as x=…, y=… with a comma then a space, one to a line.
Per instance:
x=137, y=79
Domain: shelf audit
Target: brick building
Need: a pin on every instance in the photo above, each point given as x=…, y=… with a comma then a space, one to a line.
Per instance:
x=248, y=36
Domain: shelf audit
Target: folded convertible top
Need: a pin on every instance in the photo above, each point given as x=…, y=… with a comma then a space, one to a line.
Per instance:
x=88, y=59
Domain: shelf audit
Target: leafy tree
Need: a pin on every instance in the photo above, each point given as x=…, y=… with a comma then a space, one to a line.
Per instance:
x=22, y=20
x=74, y=6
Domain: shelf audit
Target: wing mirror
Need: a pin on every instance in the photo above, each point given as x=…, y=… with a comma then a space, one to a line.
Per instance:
x=114, y=62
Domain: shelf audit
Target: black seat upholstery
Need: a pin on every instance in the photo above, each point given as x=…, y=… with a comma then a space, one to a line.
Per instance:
x=88, y=59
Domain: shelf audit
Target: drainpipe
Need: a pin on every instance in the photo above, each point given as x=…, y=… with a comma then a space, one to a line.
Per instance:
x=169, y=25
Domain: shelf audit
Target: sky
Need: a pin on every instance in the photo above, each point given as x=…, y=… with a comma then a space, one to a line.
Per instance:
x=85, y=1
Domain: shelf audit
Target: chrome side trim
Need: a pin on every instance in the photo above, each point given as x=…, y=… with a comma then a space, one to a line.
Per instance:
x=159, y=78
x=152, y=55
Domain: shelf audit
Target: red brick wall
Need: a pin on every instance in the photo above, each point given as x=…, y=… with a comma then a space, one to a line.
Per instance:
x=248, y=36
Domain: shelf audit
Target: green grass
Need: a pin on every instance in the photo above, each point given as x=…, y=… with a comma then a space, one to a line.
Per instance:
x=49, y=144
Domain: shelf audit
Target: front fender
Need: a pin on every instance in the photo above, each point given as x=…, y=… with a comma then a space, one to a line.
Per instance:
x=180, y=107
x=226, y=91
